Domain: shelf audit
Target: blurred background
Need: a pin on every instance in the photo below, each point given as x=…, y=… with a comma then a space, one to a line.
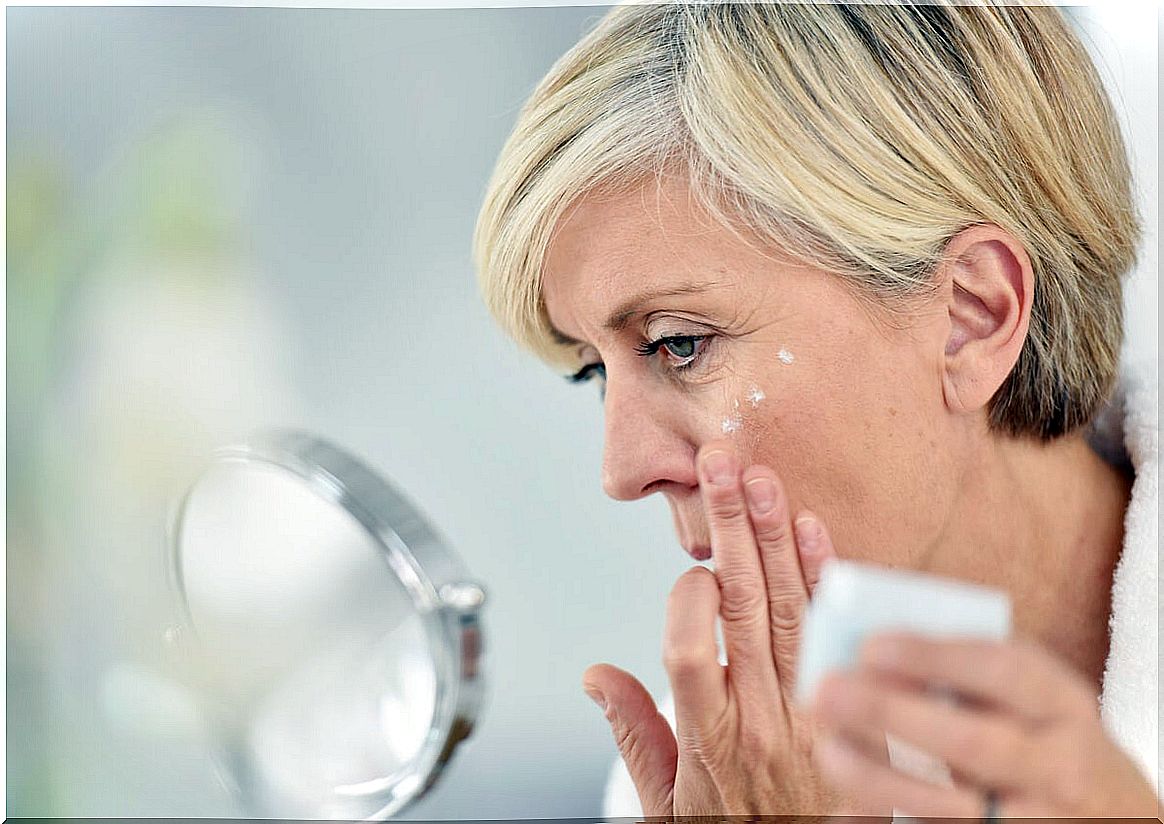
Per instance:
x=226, y=218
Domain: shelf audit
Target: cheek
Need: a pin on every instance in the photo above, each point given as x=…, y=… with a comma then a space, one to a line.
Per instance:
x=859, y=447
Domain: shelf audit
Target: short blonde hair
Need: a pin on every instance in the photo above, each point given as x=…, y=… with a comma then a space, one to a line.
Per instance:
x=857, y=138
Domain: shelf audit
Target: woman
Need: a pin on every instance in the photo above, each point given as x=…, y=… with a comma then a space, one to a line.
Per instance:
x=849, y=278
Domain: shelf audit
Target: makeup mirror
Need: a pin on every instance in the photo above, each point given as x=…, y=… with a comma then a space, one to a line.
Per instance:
x=331, y=637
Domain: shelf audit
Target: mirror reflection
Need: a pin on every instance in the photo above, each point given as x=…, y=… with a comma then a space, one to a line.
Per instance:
x=307, y=650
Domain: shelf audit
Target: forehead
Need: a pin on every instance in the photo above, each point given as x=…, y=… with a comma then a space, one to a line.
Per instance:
x=652, y=238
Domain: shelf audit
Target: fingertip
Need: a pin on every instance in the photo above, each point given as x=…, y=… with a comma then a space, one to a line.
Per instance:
x=755, y=471
x=593, y=673
x=596, y=695
x=715, y=445
x=767, y=502
x=809, y=534
x=717, y=463
x=694, y=573
x=605, y=678
x=761, y=495
x=696, y=582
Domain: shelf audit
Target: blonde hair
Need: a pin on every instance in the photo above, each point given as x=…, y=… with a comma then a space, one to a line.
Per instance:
x=857, y=138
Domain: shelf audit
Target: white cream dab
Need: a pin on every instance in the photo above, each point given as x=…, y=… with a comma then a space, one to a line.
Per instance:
x=755, y=395
x=733, y=422
x=785, y=356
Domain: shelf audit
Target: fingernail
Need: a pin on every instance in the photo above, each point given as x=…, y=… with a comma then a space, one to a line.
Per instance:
x=596, y=696
x=807, y=534
x=761, y=494
x=718, y=468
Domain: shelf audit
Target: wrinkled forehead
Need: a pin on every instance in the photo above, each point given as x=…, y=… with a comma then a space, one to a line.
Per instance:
x=610, y=251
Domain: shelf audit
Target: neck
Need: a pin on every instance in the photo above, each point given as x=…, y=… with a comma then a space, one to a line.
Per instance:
x=1045, y=523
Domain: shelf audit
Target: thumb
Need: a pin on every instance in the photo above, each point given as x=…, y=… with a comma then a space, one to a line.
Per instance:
x=644, y=737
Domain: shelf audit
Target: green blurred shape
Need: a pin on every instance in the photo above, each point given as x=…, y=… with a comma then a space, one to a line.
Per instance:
x=175, y=193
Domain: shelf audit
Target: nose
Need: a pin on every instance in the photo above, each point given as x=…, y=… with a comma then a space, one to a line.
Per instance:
x=644, y=447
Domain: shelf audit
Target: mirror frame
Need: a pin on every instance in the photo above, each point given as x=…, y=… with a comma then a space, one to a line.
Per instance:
x=444, y=597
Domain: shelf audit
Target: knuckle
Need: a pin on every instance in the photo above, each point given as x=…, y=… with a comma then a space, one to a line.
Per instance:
x=624, y=739
x=774, y=531
x=783, y=619
x=726, y=505
x=713, y=746
x=743, y=599
x=630, y=746
x=756, y=742
x=682, y=661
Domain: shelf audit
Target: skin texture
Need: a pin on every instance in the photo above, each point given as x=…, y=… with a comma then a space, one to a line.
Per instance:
x=877, y=429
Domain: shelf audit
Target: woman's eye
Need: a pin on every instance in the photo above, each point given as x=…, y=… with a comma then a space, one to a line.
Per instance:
x=588, y=373
x=681, y=350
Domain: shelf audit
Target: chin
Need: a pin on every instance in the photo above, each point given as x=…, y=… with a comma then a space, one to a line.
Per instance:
x=699, y=553
x=695, y=541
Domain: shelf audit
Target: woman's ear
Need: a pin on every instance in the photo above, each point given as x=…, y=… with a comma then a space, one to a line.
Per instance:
x=987, y=284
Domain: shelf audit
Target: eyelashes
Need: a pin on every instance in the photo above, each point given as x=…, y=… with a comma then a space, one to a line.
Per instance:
x=683, y=351
x=587, y=372
x=686, y=349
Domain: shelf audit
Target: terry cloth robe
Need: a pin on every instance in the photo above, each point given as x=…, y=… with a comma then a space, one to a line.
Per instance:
x=1126, y=434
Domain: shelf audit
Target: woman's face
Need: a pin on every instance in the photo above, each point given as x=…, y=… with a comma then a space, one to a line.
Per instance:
x=703, y=337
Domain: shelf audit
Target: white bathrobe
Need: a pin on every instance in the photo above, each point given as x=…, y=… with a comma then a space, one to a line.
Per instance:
x=1126, y=432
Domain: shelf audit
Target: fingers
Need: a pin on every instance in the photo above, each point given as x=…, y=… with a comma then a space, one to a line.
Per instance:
x=786, y=591
x=879, y=785
x=690, y=655
x=988, y=748
x=644, y=738
x=1012, y=675
x=744, y=603
x=816, y=548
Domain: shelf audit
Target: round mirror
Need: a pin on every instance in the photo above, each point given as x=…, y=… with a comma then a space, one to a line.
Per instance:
x=332, y=638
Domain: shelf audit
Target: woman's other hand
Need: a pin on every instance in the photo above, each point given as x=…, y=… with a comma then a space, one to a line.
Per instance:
x=741, y=745
x=1026, y=728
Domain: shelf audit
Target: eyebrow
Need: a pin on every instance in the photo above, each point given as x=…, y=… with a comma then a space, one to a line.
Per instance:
x=621, y=317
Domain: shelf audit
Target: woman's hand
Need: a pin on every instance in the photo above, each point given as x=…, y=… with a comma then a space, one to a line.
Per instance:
x=741, y=745
x=1026, y=729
